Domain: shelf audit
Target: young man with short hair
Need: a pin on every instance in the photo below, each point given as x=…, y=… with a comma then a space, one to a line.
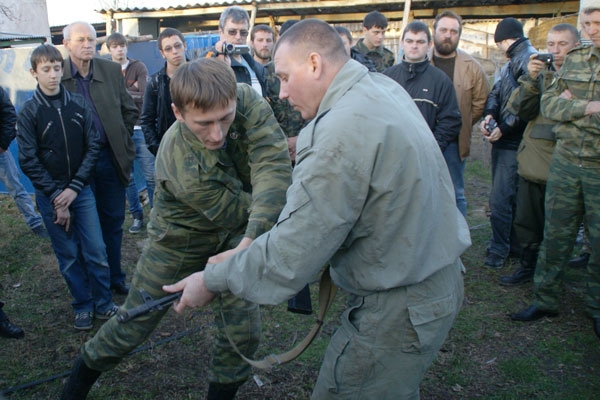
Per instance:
x=371, y=45
x=157, y=114
x=135, y=74
x=430, y=88
x=222, y=171
x=58, y=150
x=262, y=40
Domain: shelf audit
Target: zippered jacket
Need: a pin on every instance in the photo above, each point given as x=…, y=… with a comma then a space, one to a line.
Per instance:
x=58, y=147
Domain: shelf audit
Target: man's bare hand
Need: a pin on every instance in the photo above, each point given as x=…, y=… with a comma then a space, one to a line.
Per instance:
x=534, y=66
x=494, y=136
x=63, y=217
x=195, y=293
x=217, y=258
x=566, y=94
x=592, y=107
x=64, y=199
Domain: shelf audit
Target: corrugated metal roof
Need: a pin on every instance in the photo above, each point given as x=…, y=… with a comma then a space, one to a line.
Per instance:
x=11, y=39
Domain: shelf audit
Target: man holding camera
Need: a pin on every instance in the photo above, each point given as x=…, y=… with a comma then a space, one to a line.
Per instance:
x=504, y=130
x=573, y=101
x=234, y=26
x=536, y=148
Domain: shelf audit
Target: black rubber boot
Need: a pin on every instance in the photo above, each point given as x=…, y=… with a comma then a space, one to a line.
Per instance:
x=222, y=391
x=80, y=382
x=526, y=269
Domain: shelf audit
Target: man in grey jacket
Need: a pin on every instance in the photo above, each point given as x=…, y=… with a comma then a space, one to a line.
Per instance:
x=365, y=190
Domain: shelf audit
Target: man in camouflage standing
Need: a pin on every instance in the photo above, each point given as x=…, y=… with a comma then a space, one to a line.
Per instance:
x=573, y=185
x=222, y=171
x=371, y=45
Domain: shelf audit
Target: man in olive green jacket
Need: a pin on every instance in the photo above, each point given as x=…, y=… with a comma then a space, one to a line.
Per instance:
x=114, y=112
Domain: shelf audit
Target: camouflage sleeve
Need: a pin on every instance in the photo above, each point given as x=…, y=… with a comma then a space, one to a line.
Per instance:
x=269, y=160
x=525, y=99
x=289, y=120
x=558, y=109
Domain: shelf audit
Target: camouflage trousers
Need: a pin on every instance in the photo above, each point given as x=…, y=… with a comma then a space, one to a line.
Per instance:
x=159, y=266
x=572, y=192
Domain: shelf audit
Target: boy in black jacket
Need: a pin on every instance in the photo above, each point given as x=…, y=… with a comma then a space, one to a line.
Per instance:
x=58, y=149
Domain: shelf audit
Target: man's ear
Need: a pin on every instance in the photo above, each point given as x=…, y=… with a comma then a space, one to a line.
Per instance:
x=315, y=63
x=177, y=113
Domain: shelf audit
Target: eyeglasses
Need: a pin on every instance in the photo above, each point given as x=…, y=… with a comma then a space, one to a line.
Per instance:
x=176, y=46
x=234, y=32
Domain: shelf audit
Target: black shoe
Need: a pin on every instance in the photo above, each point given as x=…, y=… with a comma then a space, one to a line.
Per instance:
x=120, y=288
x=80, y=382
x=532, y=313
x=579, y=262
x=520, y=276
x=10, y=331
x=597, y=326
x=222, y=391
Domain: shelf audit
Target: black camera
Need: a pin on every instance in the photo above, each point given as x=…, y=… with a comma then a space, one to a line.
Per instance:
x=234, y=49
x=547, y=58
x=491, y=125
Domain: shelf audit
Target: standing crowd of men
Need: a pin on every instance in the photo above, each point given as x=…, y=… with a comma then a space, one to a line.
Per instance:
x=246, y=210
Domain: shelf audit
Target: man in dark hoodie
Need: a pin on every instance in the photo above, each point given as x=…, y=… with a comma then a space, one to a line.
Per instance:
x=505, y=130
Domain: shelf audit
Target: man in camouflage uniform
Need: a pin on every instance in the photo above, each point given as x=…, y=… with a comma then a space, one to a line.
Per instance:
x=371, y=45
x=222, y=171
x=535, y=150
x=573, y=187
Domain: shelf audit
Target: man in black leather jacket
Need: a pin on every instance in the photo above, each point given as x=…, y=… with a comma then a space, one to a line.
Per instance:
x=505, y=130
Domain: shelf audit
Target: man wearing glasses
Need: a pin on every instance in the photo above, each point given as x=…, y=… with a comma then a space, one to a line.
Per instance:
x=157, y=115
x=234, y=26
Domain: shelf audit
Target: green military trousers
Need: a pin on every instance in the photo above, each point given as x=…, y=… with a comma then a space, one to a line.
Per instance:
x=158, y=266
x=572, y=193
x=387, y=340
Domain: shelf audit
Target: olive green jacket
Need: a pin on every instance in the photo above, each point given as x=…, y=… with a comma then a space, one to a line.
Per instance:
x=115, y=107
x=536, y=148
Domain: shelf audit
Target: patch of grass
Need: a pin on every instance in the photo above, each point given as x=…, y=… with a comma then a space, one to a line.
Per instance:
x=486, y=355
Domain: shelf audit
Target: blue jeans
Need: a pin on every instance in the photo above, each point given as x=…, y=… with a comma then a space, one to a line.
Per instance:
x=503, y=198
x=9, y=175
x=145, y=161
x=81, y=255
x=110, y=203
x=456, y=166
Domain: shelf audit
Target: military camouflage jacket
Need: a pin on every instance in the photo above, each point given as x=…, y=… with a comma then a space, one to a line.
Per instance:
x=536, y=147
x=577, y=134
x=289, y=119
x=239, y=189
x=382, y=57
